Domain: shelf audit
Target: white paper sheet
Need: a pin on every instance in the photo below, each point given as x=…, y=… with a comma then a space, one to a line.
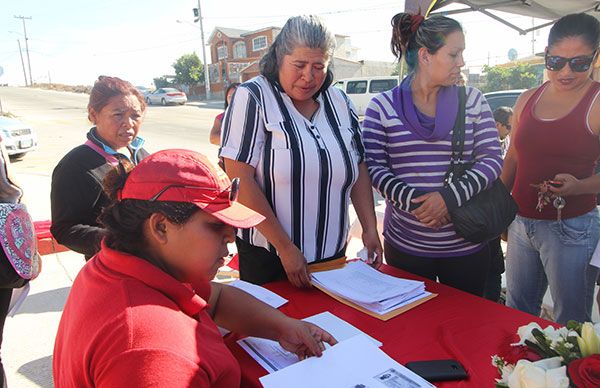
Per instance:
x=18, y=297
x=271, y=356
x=353, y=363
x=260, y=293
x=398, y=303
x=337, y=327
x=360, y=282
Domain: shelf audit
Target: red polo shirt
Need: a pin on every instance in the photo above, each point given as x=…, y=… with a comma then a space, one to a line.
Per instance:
x=126, y=323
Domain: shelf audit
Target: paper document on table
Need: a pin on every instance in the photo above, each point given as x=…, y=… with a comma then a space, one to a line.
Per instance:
x=271, y=356
x=260, y=293
x=370, y=289
x=337, y=327
x=352, y=363
x=360, y=282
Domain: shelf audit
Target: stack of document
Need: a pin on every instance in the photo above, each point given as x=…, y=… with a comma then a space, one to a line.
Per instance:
x=370, y=289
x=355, y=362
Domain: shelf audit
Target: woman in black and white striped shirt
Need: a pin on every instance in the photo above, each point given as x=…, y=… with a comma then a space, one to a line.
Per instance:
x=294, y=140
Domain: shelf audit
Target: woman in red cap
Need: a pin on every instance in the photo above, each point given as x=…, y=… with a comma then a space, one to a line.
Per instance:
x=143, y=312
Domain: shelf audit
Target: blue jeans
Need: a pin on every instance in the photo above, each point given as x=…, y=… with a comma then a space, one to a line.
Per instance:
x=544, y=253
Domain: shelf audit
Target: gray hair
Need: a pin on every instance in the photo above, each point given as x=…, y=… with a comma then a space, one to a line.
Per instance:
x=299, y=31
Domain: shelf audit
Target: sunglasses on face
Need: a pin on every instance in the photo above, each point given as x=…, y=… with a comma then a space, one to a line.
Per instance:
x=234, y=190
x=578, y=64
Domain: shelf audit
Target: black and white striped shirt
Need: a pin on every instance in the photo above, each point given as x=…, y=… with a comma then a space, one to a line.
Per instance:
x=305, y=168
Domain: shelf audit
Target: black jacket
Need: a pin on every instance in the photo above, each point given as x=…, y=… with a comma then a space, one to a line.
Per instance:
x=77, y=198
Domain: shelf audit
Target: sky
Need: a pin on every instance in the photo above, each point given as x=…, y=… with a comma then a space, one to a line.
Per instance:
x=75, y=41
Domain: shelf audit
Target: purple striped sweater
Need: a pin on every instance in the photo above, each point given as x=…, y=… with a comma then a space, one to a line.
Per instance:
x=403, y=166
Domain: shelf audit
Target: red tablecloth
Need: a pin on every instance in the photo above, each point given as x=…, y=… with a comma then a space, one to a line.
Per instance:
x=454, y=325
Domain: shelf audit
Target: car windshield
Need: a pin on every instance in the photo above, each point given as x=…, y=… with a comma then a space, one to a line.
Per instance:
x=170, y=90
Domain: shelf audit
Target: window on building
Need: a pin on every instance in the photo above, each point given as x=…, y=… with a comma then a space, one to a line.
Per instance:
x=222, y=52
x=259, y=43
x=239, y=50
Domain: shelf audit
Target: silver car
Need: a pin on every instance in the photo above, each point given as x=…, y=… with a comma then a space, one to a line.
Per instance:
x=166, y=96
x=18, y=138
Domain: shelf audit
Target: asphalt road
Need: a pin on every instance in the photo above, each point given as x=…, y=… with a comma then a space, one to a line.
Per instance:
x=60, y=121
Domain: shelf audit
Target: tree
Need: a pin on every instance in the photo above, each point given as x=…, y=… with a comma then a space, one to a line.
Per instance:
x=400, y=67
x=162, y=82
x=188, y=70
x=516, y=77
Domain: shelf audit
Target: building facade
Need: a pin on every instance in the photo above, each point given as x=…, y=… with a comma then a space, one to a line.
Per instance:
x=235, y=55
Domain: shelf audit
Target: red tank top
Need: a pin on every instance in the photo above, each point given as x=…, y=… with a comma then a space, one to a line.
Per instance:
x=549, y=147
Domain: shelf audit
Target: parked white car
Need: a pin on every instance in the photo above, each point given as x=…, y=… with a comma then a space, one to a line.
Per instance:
x=17, y=137
x=361, y=90
x=165, y=96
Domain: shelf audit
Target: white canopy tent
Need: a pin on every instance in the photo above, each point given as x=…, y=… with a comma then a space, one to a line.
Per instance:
x=542, y=9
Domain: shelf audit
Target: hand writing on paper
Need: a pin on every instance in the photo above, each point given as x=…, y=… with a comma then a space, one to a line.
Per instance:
x=304, y=339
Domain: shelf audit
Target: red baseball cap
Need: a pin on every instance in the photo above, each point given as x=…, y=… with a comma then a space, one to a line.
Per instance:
x=187, y=176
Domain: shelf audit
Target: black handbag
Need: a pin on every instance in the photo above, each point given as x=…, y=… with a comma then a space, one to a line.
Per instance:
x=487, y=214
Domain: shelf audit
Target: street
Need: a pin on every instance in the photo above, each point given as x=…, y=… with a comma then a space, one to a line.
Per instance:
x=60, y=121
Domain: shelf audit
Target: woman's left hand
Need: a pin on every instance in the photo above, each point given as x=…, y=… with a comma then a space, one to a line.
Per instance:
x=371, y=241
x=570, y=185
x=432, y=211
x=304, y=339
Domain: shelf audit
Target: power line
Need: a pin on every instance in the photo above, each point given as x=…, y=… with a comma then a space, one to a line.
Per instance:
x=333, y=12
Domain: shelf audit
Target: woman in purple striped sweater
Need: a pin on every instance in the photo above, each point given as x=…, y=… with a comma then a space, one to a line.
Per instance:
x=407, y=136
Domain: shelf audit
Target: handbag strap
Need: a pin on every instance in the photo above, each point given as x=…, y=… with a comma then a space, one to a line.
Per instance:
x=458, y=132
x=458, y=136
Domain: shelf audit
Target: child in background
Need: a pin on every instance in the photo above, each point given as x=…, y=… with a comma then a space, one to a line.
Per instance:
x=503, y=117
x=215, y=132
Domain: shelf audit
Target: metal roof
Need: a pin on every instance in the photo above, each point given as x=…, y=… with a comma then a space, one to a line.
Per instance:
x=543, y=9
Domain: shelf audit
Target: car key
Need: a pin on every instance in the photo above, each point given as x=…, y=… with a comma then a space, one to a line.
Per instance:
x=559, y=203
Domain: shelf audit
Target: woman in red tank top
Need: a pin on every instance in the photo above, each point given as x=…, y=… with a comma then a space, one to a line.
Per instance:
x=554, y=149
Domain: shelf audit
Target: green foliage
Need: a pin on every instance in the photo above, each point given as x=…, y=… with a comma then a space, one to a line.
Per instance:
x=574, y=326
x=517, y=77
x=188, y=70
x=399, y=68
x=162, y=82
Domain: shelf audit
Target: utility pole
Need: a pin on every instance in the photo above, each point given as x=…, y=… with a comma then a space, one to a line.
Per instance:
x=206, y=76
x=532, y=36
x=22, y=62
x=26, y=45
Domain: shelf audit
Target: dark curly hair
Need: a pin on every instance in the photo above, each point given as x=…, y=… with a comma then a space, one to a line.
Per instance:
x=124, y=220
